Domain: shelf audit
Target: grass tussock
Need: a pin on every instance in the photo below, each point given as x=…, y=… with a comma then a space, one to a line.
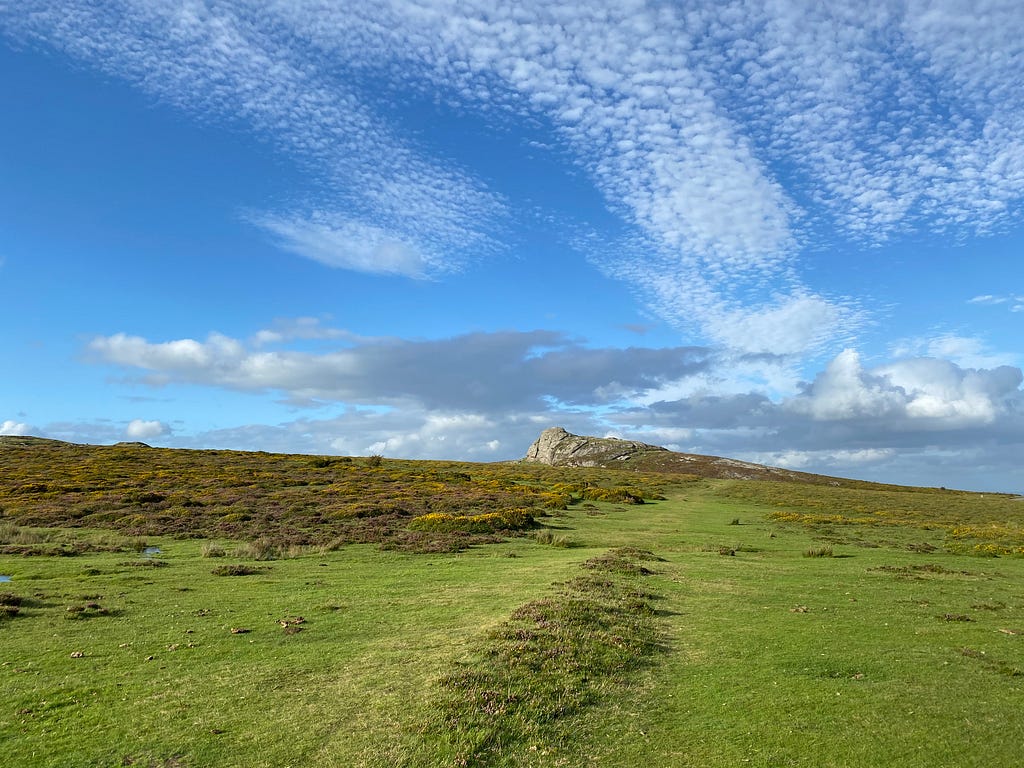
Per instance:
x=825, y=551
x=548, y=662
x=209, y=549
x=549, y=537
x=236, y=569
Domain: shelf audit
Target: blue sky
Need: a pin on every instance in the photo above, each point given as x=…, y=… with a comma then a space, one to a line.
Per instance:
x=426, y=228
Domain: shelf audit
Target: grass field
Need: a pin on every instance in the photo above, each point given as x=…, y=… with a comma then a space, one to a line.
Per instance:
x=731, y=623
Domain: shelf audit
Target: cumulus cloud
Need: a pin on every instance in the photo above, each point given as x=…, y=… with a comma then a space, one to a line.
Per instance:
x=919, y=417
x=923, y=390
x=139, y=429
x=11, y=428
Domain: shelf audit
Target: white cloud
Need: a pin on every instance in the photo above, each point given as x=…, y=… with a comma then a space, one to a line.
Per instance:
x=348, y=245
x=299, y=328
x=138, y=429
x=965, y=351
x=727, y=136
x=381, y=205
x=937, y=393
x=844, y=390
x=11, y=428
x=1015, y=301
x=821, y=460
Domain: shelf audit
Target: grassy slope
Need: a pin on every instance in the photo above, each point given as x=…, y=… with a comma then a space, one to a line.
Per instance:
x=866, y=671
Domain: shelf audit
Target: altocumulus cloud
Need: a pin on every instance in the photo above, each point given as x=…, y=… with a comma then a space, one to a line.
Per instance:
x=726, y=137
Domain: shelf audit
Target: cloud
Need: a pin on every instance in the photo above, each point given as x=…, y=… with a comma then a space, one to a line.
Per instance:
x=916, y=419
x=11, y=428
x=965, y=351
x=729, y=139
x=139, y=429
x=381, y=205
x=346, y=244
x=936, y=393
x=299, y=328
x=988, y=299
x=484, y=371
x=1016, y=302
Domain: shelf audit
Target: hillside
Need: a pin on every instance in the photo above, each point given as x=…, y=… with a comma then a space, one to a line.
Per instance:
x=182, y=609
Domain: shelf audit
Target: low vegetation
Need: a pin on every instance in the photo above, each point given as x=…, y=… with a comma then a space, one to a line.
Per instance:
x=188, y=609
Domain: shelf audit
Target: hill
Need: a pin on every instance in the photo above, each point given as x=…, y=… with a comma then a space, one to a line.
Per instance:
x=175, y=608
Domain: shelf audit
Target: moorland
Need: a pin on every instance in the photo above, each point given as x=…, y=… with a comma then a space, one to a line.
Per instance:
x=215, y=608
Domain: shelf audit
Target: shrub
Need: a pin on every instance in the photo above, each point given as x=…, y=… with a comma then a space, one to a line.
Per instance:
x=489, y=522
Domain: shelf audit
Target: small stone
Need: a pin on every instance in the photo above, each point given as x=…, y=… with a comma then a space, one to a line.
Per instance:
x=77, y=654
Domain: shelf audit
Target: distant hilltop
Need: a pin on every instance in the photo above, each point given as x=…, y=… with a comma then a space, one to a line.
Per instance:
x=559, y=448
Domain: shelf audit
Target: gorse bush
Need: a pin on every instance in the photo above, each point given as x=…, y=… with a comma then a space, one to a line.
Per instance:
x=489, y=522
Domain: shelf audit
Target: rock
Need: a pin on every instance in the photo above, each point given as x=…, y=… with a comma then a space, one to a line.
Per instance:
x=557, y=447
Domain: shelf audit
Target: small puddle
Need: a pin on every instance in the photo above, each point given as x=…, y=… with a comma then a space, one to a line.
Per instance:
x=150, y=551
x=4, y=578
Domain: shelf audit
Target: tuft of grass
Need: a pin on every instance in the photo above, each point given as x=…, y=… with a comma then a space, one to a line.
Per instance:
x=825, y=551
x=546, y=536
x=209, y=549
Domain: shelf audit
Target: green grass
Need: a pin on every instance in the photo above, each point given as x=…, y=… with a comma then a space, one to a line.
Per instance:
x=900, y=649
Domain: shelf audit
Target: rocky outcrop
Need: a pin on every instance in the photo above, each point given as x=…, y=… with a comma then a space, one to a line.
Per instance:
x=559, y=448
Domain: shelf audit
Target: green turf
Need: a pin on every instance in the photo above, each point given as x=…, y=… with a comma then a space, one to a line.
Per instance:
x=903, y=648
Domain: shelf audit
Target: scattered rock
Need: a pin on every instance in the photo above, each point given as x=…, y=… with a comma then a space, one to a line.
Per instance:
x=77, y=654
x=240, y=631
x=800, y=609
